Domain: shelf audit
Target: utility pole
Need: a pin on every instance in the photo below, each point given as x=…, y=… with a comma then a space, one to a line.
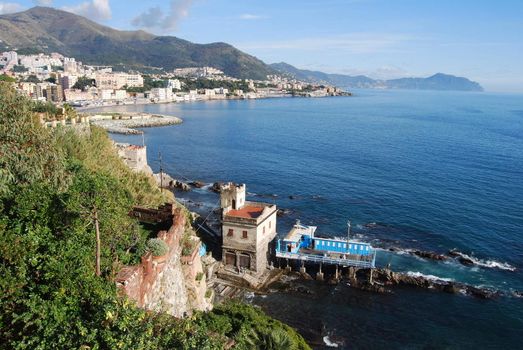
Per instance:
x=97, y=229
x=161, y=171
x=348, y=230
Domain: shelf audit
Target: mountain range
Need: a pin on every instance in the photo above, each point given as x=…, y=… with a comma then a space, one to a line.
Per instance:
x=438, y=81
x=44, y=29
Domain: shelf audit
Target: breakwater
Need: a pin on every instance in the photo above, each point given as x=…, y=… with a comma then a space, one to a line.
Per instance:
x=128, y=123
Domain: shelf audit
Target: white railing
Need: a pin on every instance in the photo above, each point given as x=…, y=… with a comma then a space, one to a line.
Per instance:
x=326, y=260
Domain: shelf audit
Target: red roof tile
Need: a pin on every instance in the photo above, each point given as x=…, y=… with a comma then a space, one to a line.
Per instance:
x=247, y=212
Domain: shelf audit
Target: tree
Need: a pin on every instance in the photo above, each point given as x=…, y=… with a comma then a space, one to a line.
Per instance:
x=19, y=69
x=32, y=79
x=97, y=200
x=84, y=82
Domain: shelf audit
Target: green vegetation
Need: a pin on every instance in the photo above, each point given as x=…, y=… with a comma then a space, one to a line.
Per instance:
x=45, y=107
x=7, y=78
x=157, y=247
x=201, y=83
x=51, y=80
x=59, y=190
x=83, y=83
x=19, y=69
x=32, y=79
x=199, y=276
x=251, y=328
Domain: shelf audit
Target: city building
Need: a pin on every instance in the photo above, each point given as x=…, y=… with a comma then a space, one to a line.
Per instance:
x=68, y=81
x=70, y=65
x=117, y=81
x=174, y=84
x=247, y=230
x=197, y=72
x=54, y=93
x=161, y=94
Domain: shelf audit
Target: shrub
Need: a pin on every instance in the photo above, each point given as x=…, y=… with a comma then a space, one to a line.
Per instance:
x=157, y=247
x=199, y=276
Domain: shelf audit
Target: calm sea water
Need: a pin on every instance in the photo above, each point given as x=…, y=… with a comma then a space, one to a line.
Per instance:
x=428, y=170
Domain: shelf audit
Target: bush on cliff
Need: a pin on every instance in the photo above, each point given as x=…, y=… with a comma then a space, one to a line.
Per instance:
x=157, y=247
x=51, y=181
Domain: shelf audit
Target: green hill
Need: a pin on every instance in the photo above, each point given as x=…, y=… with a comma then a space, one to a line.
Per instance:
x=49, y=30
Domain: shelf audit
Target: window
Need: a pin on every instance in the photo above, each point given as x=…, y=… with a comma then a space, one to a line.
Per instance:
x=339, y=245
x=270, y=224
x=350, y=246
x=344, y=245
x=328, y=244
x=367, y=248
x=244, y=234
x=230, y=232
x=263, y=229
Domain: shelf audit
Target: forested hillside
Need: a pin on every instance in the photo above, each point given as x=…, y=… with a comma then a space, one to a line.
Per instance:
x=53, y=183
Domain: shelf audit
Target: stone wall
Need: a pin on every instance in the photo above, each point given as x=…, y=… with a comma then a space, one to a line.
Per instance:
x=161, y=283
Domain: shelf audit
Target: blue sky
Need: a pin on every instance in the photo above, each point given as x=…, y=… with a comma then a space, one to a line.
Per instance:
x=481, y=39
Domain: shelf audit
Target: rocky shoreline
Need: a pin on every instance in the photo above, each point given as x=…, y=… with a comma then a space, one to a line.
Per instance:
x=379, y=280
x=384, y=280
x=127, y=123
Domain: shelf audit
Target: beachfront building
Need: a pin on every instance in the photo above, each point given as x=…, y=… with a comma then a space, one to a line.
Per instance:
x=247, y=230
x=303, y=245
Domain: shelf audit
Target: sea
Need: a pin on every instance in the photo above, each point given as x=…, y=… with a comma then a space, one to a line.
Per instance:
x=411, y=170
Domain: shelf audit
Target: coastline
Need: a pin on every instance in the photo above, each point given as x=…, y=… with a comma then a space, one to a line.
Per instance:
x=403, y=294
x=144, y=102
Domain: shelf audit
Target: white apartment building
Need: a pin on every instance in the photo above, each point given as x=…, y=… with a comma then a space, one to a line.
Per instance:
x=116, y=81
x=162, y=94
x=70, y=65
x=174, y=84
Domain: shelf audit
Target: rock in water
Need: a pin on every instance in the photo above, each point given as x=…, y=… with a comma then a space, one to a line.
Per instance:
x=197, y=184
x=465, y=261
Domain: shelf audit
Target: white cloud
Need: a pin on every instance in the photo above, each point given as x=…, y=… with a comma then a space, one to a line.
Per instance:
x=250, y=16
x=10, y=7
x=356, y=43
x=43, y=2
x=155, y=17
x=95, y=9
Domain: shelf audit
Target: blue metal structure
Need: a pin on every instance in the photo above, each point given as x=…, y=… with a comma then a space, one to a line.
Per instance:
x=301, y=244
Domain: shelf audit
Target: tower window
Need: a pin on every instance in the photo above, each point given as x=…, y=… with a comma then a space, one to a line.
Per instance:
x=230, y=232
x=244, y=234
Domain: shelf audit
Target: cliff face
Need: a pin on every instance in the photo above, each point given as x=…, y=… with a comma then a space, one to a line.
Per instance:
x=180, y=288
x=169, y=283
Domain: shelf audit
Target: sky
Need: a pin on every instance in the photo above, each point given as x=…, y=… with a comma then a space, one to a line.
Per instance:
x=478, y=39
